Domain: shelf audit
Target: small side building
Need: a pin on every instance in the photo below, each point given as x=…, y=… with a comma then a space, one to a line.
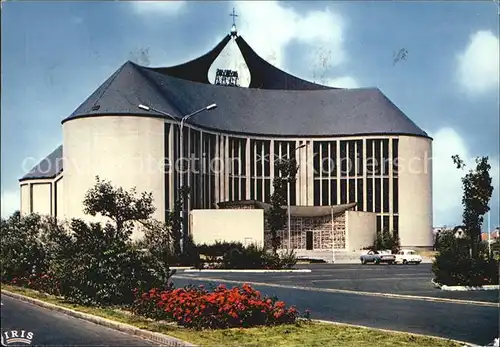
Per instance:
x=315, y=230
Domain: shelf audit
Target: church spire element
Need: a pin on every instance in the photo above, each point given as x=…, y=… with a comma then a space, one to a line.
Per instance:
x=234, y=32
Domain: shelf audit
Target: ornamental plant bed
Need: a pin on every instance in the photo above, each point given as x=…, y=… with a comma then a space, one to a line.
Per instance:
x=196, y=307
x=302, y=333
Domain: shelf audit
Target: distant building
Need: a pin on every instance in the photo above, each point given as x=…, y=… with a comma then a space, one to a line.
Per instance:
x=353, y=146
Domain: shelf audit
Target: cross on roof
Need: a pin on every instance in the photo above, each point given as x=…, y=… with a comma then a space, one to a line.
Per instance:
x=234, y=15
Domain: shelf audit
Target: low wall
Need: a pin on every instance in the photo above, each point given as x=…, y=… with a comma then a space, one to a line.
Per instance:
x=240, y=225
x=361, y=229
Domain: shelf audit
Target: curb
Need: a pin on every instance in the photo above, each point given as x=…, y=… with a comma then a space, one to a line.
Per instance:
x=344, y=291
x=247, y=270
x=164, y=340
x=464, y=288
x=465, y=344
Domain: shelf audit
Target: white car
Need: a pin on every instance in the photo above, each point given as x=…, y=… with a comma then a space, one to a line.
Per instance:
x=408, y=256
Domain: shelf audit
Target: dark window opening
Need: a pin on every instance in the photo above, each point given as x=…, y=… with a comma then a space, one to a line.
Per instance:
x=386, y=195
x=359, y=199
x=343, y=158
x=377, y=195
x=352, y=190
x=395, y=156
x=369, y=195
x=359, y=157
x=343, y=191
x=395, y=195
x=324, y=192
x=351, y=163
x=317, y=197
x=385, y=156
x=378, y=155
x=333, y=192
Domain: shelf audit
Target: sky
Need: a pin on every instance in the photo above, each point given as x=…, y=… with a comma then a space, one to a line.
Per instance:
x=55, y=54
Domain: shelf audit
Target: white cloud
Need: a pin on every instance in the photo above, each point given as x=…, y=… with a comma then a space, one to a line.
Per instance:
x=269, y=26
x=171, y=7
x=10, y=203
x=447, y=184
x=478, y=65
x=342, y=82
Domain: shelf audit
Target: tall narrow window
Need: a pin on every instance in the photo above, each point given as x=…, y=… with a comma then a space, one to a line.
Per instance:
x=386, y=196
x=385, y=157
x=325, y=160
x=379, y=223
x=369, y=158
x=316, y=158
x=377, y=195
x=395, y=225
x=359, y=199
x=333, y=158
x=369, y=195
x=343, y=158
x=352, y=190
x=324, y=192
x=378, y=157
x=395, y=156
x=317, y=193
x=395, y=195
x=351, y=163
x=333, y=193
x=343, y=191
x=359, y=158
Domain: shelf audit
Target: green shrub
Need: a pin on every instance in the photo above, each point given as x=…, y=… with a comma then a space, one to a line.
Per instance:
x=106, y=268
x=454, y=266
x=22, y=252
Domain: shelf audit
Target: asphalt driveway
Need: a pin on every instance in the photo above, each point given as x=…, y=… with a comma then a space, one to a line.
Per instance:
x=396, y=279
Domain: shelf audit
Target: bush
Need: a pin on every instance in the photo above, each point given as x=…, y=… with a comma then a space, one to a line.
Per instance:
x=198, y=308
x=454, y=266
x=21, y=249
x=105, y=268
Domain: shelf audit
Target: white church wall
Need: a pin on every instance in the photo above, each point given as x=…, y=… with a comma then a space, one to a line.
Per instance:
x=59, y=197
x=415, y=191
x=25, y=199
x=125, y=150
x=361, y=229
x=42, y=198
x=245, y=226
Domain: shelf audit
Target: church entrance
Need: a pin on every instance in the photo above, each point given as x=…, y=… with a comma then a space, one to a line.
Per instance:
x=309, y=239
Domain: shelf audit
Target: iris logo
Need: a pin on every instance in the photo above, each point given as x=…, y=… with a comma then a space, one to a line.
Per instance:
x=16, y=336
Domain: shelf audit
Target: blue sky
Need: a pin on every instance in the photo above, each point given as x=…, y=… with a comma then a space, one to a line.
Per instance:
x=55, y=54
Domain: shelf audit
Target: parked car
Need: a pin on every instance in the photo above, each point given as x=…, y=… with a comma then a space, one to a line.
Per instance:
x=377, y=258
x=408, y=256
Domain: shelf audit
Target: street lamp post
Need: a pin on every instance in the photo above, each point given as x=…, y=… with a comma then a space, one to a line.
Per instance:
x=181, y=150
x=288, y=200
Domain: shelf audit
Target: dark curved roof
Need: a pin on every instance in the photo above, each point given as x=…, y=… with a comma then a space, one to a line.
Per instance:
x=323, y=112
x=263, y=75
x=49, y=167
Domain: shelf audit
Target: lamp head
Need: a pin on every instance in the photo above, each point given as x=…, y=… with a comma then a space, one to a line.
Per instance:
x=144, y=107
x=211, y=107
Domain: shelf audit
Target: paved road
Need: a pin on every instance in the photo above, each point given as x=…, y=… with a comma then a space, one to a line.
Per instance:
x=51, y=328
x=473, y=323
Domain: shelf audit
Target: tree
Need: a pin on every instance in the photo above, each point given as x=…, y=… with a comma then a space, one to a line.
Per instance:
x=117, y=204
x=286, y=172
x=21, y=249
x=386, y=240
x=477, y=191
x=175, y=220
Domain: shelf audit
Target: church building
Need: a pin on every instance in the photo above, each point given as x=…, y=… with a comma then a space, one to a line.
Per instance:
x=355, y=149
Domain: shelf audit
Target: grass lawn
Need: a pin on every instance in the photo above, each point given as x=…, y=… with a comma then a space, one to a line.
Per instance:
x=303, y=334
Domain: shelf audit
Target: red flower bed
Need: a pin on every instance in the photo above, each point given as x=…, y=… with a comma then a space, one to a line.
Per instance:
x=42, y=283
x=198, y=308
